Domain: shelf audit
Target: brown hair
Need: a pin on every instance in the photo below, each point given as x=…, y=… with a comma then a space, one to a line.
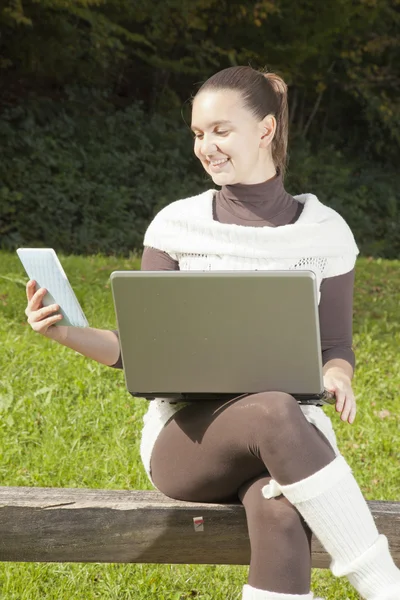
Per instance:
x=263, y=94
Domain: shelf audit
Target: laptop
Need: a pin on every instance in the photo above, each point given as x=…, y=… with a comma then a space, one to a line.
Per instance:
x=215, y=335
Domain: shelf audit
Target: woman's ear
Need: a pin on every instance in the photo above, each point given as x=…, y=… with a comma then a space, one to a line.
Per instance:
x=268, y=128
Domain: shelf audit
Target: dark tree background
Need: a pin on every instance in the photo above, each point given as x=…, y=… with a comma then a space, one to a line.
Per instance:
x=93, y=93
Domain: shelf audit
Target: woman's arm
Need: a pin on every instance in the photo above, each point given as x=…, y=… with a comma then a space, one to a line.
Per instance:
x=340, y=366
x=100, y=345
x=336, y=316
x=157, y=260
x=336, y=323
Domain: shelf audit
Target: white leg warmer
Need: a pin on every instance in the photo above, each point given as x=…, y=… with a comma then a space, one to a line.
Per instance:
x=332, y=504
x=250, y=593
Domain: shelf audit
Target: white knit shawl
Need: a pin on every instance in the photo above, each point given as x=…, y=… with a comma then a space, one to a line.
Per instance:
x=319, y=240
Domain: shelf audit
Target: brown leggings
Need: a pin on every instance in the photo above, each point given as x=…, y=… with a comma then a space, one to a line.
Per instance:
x=219, y=451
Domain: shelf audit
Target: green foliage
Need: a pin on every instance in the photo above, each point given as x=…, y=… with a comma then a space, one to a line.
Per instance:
x=83, y=177
x=365, y=194
x=69, y=422
x=340, y=58
x=96, y=174
x=89, y=182
x=63, y=42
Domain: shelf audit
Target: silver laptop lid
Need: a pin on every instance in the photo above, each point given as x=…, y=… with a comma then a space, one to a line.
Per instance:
x=218, y=332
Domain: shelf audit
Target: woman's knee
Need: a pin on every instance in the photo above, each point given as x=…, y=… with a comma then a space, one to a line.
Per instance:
x=275, y=408
x=275, y=514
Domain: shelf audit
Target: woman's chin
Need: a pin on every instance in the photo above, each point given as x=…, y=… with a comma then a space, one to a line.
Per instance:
x=222, y=178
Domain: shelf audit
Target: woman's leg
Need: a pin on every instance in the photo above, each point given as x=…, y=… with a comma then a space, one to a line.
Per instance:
x=280, y=542
x=208, y=451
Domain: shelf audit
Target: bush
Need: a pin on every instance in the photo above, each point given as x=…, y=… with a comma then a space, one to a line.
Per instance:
x=90, y=182
x=366, y=195
x=83, y=177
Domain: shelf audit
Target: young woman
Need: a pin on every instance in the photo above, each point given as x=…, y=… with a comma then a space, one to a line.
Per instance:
x=280, y=458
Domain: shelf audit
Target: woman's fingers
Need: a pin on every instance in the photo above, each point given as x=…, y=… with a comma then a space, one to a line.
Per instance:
x=345, y=400
x=37, y=298
x=43, y=325
x=340, y=399
x=346, y=405
x=30, y=289
x=39, y=315
x=353, y=411
x=35, y=301
x=346, y=410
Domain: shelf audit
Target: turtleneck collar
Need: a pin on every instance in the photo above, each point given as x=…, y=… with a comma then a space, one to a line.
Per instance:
x=268, y=203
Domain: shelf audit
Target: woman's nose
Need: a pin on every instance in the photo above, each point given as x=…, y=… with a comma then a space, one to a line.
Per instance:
x=208, y=147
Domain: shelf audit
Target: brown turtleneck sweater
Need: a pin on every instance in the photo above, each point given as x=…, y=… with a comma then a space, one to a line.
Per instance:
x=269, y=205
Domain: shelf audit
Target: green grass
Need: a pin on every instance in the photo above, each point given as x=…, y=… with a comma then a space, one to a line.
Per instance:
x=69, y=422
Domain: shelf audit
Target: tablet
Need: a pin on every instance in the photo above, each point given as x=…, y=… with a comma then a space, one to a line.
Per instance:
x=42, y=265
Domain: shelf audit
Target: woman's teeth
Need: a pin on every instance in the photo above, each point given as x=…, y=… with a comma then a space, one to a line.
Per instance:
x=217, y=163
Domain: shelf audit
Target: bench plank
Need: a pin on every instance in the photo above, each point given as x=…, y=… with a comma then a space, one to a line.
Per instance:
x=86, y=525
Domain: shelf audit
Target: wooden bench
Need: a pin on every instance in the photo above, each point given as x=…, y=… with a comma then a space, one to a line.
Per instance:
x=85, y=525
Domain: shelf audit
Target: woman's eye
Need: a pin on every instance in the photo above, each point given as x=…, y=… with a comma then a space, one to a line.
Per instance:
x=200, y=136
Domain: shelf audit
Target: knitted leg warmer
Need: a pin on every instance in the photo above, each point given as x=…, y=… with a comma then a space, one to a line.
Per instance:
x=250, y=593
x=332, y=504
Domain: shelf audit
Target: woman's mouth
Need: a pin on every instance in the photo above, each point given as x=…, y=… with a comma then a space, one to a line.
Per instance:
x=217, y=165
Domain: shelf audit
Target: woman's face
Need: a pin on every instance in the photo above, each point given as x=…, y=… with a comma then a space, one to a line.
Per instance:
x=231, y=144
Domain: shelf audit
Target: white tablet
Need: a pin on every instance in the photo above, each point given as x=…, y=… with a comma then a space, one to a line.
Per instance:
x=42, y=265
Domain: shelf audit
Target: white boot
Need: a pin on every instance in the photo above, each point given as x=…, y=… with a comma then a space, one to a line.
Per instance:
x=332, y=504
x=374, y=570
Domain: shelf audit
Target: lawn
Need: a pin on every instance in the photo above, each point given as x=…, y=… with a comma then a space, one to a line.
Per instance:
x=69, y=422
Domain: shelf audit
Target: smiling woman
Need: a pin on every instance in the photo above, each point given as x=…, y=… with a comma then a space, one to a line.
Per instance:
x=279, y=458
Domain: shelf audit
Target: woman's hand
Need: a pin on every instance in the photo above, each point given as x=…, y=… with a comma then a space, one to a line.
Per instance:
x=336, y=381
x=42, y=318
x=101, y=345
